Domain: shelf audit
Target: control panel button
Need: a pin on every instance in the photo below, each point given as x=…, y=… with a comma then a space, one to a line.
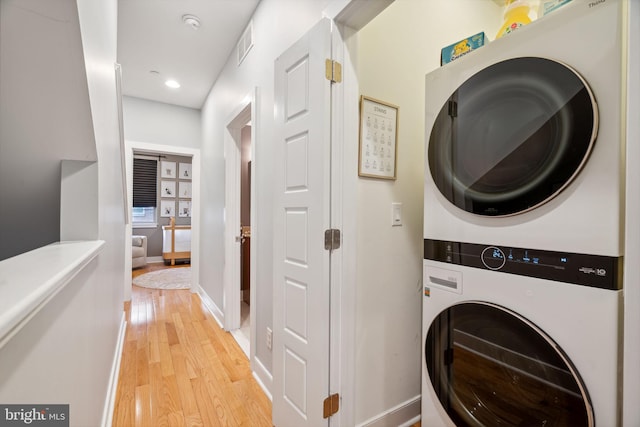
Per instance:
x=493, y=258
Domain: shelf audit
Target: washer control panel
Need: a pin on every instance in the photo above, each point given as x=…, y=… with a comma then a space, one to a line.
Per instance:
x=493, y=258
x=582, y=269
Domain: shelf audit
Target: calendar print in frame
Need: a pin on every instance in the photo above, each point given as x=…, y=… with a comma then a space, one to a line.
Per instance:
x=378, y=139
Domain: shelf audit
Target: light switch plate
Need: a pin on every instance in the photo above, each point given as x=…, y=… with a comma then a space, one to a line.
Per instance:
x=396, y=214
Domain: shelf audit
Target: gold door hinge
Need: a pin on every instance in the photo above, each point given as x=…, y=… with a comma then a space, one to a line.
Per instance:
x=333, y=71
x=331, y=405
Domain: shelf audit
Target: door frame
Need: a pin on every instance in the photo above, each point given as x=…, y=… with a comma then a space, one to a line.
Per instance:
x=151, y=148
x=342, y=312
x=244, y=113
x=348, y=16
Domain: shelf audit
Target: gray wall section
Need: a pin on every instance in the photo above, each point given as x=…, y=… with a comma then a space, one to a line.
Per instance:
x=154, y=239
x=22, y=225
x=45, y=117
x=154, y=235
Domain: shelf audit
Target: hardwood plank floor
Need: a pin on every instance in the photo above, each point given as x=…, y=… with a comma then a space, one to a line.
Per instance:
x=179, y=368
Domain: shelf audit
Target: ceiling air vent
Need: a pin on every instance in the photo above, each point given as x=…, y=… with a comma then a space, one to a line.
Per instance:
x=246, y=43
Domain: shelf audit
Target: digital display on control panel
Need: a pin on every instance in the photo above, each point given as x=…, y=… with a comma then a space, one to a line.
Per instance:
x=588, y=270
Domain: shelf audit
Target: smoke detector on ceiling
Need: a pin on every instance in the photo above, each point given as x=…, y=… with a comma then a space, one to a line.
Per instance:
x=192, y=21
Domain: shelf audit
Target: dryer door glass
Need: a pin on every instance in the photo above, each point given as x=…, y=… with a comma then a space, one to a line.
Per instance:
x=512, y=136
x=490, y=367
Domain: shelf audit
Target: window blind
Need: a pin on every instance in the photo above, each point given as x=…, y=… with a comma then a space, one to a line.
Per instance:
x=145, y=183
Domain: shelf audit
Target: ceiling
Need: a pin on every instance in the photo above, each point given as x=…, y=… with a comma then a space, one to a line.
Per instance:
x=155, y=45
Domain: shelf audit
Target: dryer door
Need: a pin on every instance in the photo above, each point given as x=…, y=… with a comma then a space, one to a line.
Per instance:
x=512, y=136
x=491, y=367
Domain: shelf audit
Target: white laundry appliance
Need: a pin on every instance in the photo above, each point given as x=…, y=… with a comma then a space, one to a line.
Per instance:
x=524, y=226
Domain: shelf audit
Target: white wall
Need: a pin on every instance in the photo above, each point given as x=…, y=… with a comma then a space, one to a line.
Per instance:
x=393, y=54
x=159, y=123
x=276, y=24
x=65, y=353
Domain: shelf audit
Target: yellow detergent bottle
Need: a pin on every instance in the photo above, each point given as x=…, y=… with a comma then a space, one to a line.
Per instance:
x=516, y=16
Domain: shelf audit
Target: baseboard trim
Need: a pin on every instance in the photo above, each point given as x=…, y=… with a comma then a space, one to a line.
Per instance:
x=242, y=341
x=405, y=414
x=260, y=374
x=411, y=422
x=154, y=259
x=107, y=414
x=217, y=314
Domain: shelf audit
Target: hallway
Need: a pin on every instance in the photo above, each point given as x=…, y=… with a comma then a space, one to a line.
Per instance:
x=179, y=368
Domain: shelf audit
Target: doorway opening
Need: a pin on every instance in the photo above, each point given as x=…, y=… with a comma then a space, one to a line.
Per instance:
x=240, y=225
x=245, y=235
x=161, y=211
x=182, y=180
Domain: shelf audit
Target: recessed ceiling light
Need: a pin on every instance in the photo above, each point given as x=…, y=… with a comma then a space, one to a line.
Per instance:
x=172, y=84
x=192, y=21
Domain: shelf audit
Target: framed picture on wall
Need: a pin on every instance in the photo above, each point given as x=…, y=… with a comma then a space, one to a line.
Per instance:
x=184, y=209
x=167, y=169
x=167, y=189
x=184, y=171
x=167, y=208
x=378, y=139
x=184, y=189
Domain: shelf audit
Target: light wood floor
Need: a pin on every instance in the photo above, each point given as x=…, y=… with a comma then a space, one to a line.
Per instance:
x=180, y=369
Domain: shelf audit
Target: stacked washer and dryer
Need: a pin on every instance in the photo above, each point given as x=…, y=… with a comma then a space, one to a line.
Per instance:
x=524, y=226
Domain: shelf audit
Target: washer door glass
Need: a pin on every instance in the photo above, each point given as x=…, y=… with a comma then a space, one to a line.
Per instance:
x=491, y=367
x=512, y=136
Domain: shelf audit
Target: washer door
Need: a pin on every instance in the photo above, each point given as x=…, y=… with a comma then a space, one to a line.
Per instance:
x=512, y=136
x=491, y=367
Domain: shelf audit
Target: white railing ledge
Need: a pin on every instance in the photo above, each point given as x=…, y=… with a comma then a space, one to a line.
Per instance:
x=30, y=280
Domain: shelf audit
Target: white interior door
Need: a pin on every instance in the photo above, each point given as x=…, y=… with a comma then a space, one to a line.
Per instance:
x=301, y=263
